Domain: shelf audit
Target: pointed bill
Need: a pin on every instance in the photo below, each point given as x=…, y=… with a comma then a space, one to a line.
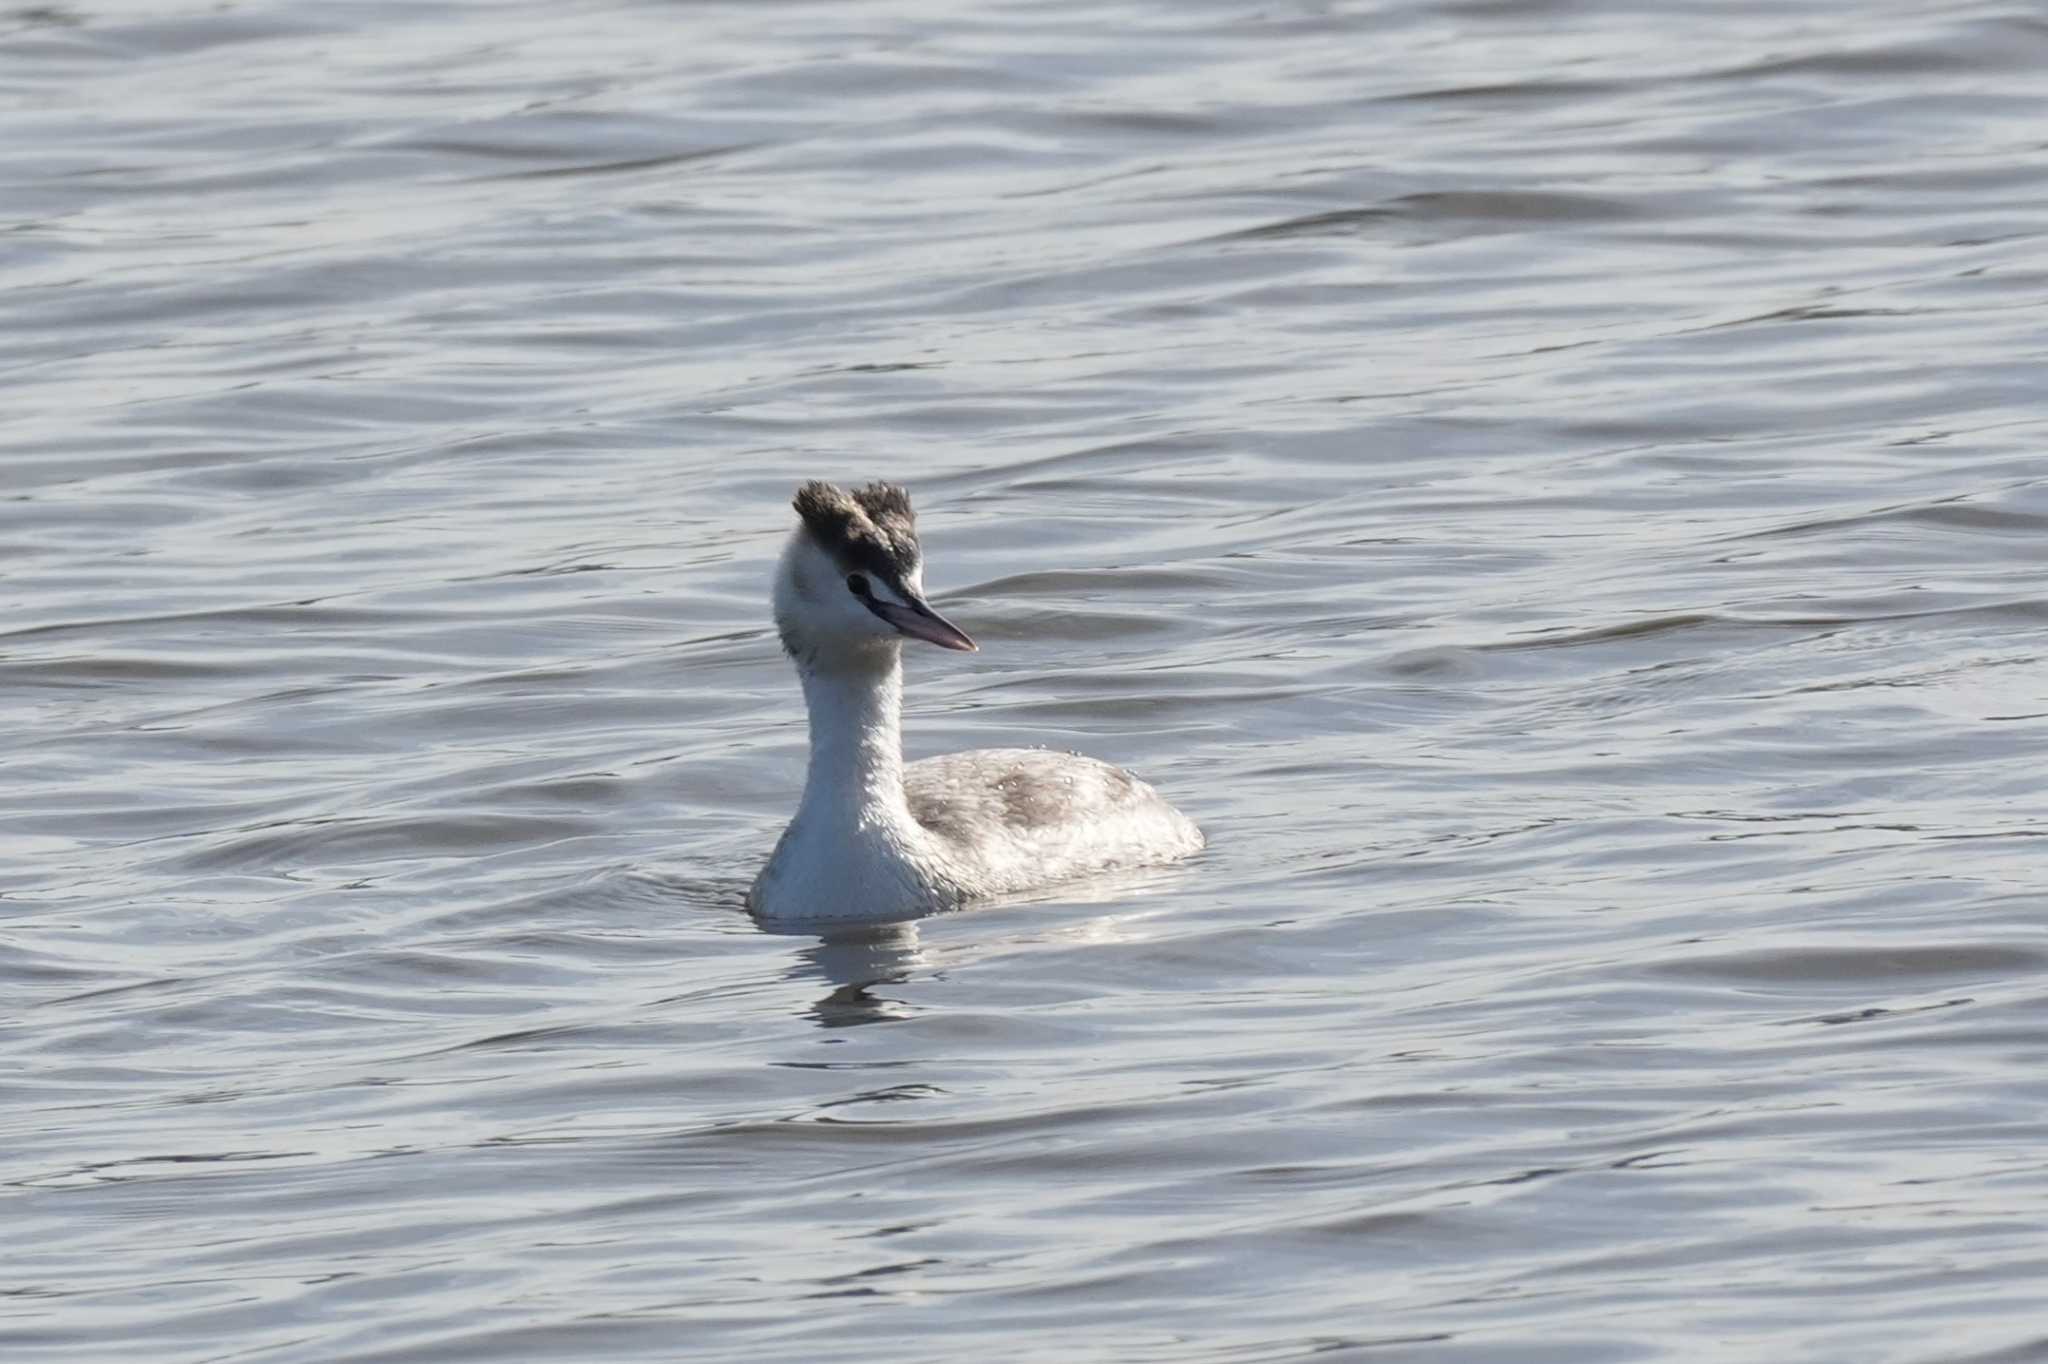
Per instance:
x=919, y=621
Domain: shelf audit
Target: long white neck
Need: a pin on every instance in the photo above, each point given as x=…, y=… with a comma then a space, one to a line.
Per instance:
x=856, y=711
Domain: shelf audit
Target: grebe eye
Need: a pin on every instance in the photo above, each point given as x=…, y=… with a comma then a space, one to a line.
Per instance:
x=857, y=583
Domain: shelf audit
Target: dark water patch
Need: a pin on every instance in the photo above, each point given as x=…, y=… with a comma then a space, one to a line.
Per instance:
x=1887, y=963
x=1505, y=208
x=1954, y=514
x=79, y=670
x=1096, y=583
x=1513, y=92
x=368, y=840
x=636, y=164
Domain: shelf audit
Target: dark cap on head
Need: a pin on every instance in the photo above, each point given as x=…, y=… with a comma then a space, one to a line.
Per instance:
x=871, y=529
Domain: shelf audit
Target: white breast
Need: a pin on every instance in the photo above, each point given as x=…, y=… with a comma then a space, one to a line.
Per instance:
x=970, y=826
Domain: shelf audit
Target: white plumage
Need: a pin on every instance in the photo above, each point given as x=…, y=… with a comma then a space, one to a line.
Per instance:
x=874, y=839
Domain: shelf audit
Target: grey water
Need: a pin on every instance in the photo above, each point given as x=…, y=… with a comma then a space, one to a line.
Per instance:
x=1557, y=489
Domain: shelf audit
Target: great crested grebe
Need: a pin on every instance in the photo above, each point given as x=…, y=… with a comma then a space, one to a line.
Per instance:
x=874, y=839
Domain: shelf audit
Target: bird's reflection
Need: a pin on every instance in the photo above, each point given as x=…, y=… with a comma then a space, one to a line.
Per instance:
x=857, y=961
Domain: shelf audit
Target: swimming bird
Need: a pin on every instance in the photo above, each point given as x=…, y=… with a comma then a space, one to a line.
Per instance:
x=874, y=839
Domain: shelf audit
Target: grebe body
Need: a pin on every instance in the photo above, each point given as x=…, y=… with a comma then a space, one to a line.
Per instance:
x=874, y=838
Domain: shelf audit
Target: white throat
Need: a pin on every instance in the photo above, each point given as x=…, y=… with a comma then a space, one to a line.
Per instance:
x=855, y=778
x=853, y=850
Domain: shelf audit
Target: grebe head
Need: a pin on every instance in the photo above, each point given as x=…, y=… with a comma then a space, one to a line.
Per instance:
x=851, y=582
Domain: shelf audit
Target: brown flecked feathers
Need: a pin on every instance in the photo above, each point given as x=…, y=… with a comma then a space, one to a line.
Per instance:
x=871, y=529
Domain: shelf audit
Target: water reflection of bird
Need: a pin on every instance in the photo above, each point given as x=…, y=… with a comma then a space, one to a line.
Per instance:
x=857, y=961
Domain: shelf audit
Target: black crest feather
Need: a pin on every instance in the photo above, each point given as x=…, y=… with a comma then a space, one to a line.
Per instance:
x=871, y=529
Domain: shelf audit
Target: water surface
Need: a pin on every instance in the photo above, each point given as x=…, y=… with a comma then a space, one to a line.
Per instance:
x=1556, y=489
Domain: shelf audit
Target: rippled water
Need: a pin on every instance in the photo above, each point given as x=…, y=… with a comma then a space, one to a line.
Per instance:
x=1557, y=489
